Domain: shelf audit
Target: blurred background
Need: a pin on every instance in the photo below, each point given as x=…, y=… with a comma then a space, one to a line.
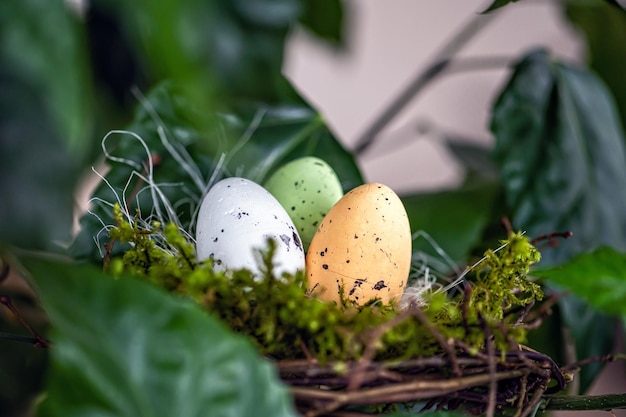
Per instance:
x=387, y=45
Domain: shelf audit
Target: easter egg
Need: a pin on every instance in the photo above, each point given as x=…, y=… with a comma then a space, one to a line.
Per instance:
x=236, y=218
x=362, y=248
x=307, y=188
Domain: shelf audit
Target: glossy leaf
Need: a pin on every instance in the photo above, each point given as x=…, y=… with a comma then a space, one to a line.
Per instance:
x=604, y=29
x=561, y=154
x=37, y=175
x=287, y=132
x=41, y=42
x=454, y=219
x=599, y=277
x=124, y=348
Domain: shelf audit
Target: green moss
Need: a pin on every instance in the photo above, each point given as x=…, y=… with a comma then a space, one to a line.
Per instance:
x=284, y=322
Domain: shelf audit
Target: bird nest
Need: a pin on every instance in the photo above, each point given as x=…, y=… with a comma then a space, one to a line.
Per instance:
x=444, y=349
x=487, y=381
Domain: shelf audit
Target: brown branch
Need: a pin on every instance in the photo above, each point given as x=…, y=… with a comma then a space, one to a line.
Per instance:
x=408, y=391
x=447, y=347
x=40, y=342
x=594, y=359
x=493, y=385
x=370, y=348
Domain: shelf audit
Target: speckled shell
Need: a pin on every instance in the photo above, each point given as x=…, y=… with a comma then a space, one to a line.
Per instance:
x=362, y=246
x=307, y=188
x=236, y=218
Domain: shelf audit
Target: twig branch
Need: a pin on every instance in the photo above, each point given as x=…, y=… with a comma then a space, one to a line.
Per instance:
x=40, y=341
x=440, y=63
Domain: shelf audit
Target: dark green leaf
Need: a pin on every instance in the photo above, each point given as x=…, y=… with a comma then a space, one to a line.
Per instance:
x=325, y=19
x=287, y=132
x=37, y=175
x=604, y=29
x=454, y=219
x=497, y=4
x=593, y=334
x=599, y=277
x=560, y=150
x=41, y=43
x=125, y=348
x=232, y=48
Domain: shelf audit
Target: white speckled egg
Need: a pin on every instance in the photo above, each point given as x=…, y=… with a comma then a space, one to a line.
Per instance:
x=307, y=188
x=362, y=247
x=236, y=218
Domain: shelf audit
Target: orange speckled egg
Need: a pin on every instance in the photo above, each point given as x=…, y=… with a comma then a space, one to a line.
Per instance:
x=363, y=247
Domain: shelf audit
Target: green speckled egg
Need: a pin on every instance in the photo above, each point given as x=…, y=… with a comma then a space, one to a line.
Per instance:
x=307, y=188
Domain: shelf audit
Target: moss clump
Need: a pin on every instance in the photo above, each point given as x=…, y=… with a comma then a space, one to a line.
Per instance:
x=286, y=323
x=501, y=283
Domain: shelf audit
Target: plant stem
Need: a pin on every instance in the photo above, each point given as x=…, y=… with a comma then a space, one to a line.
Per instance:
x=440, y=62
x=585, y=402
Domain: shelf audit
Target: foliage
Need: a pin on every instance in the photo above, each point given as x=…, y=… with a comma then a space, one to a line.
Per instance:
x=125, y=348
x=605, y=33
x=554, y=158
x=599, y=277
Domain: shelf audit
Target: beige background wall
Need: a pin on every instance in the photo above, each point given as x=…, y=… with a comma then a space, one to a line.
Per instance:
x=388, y=41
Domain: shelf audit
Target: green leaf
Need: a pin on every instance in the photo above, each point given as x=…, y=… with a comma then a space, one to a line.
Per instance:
x=593, y=334
x=42, y=43
x=454, y=219
x=37, y=175
x=124, y=348
x=599, y=277
x=604, y=29
x=325, y=19
x=224, y=48
x=288, y=132
x=497, y=4
x=561, y=154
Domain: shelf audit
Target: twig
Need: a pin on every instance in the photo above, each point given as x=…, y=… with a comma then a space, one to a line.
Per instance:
x=408, y=391
x=534, y=401
x=18, y=338
x=593, y=359
x=370, y=349
x=440, y=62
x=493, y=385
x=4, y=271
x=419, y=314
x=40, y=342
x=522, y=396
